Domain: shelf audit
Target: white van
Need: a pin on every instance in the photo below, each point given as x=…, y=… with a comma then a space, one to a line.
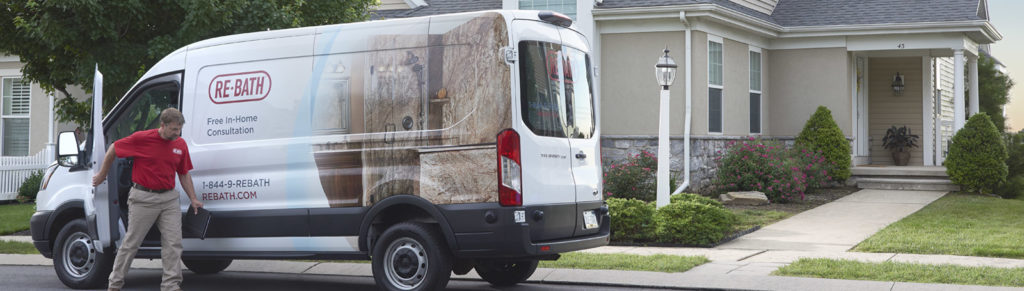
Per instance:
x=427, y=145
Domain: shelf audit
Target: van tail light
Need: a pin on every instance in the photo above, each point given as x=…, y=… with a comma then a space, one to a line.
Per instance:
x=510, y=173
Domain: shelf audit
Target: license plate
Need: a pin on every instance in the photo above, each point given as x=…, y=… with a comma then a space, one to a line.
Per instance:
x=589, y=220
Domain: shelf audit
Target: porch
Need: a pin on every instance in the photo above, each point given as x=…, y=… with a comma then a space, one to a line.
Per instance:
x=889, y=177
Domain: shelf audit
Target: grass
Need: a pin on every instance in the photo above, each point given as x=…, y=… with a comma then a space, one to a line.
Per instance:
x=14, y=217
x=957, y=224
x=656, y=263
x=14, y=247
x=904, y=272
x=751, y=218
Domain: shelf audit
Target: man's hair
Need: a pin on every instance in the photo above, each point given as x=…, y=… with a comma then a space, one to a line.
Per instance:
x=171, y=115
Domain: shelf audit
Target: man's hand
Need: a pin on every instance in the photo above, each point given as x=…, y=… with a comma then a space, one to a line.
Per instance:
x=98, y=179
x=196, y=204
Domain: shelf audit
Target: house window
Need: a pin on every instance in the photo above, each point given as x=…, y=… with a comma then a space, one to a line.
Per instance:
x=567, y=7
x=14, y=117
x=755, y=90
x=715, y=65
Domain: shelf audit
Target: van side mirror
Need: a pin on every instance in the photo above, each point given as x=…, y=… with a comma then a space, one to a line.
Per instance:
x=67, y=149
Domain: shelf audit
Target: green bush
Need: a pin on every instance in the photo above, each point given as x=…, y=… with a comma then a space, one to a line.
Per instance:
x=694, y=198
x=636, y=178
x=1015, y=153
x=30, y=187
x=692, y=223
x=1013, y=188
x=821, y=133
x=977, y=157
x=781, y=174
x=632, y=220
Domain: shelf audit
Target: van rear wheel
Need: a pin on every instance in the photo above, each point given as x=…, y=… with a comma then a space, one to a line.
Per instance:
x=206, y=267
x=411, y=256
x=506, y=273
x=76, y=260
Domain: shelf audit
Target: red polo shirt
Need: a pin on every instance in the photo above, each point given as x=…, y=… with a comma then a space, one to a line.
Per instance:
x=156, y=159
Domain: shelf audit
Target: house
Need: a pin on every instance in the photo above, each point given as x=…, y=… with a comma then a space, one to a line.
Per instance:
x=26, y=131
x=761, y=67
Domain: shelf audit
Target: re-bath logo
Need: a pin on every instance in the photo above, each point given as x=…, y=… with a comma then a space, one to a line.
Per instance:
x=240, y=87
x=176, y=151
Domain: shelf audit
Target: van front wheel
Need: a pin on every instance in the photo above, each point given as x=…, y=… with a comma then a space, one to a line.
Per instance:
x=206, y=267
x=411, y=256
x=78, y=263
x=506, y=273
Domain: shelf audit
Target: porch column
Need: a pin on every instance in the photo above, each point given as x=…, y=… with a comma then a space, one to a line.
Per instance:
x=972, y=65
x=958, y=90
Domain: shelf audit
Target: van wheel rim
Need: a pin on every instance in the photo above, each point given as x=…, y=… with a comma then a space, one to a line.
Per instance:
x=79, y=255
x=405, y=263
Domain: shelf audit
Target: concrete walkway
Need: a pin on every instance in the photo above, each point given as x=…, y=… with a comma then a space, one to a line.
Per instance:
x=827, y=231
x=837, y=226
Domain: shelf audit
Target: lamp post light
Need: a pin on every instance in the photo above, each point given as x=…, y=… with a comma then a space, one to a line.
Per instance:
x=665, y=71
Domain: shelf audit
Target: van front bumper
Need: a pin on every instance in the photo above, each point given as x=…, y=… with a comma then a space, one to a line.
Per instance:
x=558, y=230
x=37, y=225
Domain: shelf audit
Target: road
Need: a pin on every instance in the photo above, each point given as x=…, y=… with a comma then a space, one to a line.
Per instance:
x=40, y=278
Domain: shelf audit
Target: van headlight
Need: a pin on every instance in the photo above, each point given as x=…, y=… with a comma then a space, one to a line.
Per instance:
x=49, y=174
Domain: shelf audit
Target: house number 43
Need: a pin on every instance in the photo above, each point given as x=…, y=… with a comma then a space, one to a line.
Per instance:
x=901, y=46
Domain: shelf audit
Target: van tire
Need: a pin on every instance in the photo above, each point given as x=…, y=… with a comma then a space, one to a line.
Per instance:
x=206, y=267
x=411, y=256
x=78, y=263
x=506, y=273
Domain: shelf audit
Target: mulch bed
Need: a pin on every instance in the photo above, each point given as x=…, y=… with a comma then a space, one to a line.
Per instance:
x=811, y=200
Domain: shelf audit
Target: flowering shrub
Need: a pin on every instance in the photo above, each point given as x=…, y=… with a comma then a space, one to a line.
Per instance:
x=636, y=178
x=781, y=174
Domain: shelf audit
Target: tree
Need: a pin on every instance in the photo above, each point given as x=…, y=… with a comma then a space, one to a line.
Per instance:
x=61, y=42
x=993, y=91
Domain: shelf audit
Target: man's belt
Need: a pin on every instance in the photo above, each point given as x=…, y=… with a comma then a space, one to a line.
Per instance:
x=143, y=188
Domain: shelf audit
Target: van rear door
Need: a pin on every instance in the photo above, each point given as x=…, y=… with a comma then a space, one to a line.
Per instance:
x=548, y=187
x=583, y=134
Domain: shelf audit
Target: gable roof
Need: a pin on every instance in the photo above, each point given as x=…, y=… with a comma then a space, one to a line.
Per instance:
x=842, y=12
x=795, y=13
x=435, y=7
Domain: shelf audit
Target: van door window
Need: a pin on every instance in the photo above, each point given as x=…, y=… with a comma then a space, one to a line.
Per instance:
x=557, y=95
x=579, y=93
x=540, y=70
x=144, y=111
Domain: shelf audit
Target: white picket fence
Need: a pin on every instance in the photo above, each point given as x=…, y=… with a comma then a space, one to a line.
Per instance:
x=14, y=171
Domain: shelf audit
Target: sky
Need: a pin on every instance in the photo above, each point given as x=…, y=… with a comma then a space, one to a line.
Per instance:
x=1005, y=16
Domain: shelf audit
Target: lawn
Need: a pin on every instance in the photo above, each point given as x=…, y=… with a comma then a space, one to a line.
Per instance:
x=957, y=224
x=657, y=263
x=904, y=272
x=14, y=247
x=14, y=217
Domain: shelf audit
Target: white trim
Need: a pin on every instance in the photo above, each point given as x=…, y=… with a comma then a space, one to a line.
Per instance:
x=958, y=91
x=928, y=111
x=416, y=3
x=972, y=87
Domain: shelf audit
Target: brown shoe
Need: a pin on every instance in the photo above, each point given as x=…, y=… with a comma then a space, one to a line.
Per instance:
x=114, y=289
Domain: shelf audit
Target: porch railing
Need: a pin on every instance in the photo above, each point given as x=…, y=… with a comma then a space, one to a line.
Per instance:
x=14, y=171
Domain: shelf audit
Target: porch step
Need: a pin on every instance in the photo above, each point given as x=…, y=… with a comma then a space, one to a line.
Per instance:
x=930, y=184
x=899, y=171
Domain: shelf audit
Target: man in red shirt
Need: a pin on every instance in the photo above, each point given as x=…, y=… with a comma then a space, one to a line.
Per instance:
x=159, y=154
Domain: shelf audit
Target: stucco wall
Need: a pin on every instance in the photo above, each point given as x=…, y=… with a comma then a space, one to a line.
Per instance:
x=885, y=109
x=700, y=83
x=629, y=90
x=803, y=79
x=40, y=115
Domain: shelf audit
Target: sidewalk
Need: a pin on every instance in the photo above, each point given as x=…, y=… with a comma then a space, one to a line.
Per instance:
x=746, y=263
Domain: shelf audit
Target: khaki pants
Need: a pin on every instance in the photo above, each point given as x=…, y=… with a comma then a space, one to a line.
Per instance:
x=144, y=209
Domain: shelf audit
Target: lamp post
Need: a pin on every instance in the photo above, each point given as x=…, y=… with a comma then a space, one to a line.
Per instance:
x=665, y=71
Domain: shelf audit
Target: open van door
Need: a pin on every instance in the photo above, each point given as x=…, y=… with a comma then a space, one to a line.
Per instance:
x=99, y=211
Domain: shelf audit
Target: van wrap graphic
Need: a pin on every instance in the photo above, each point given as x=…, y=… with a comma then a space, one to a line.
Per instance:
x=240, y=87
x=416, y=114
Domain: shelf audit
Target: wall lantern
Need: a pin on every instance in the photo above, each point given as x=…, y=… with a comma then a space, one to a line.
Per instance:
x=665, y=70
x=897, y=84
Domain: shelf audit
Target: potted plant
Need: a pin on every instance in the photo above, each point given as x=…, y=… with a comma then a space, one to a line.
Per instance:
x=899, y=140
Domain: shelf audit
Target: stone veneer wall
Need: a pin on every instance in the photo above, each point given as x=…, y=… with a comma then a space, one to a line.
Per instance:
x=702, y=154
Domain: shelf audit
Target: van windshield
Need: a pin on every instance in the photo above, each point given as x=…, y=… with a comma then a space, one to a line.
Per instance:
x=556, y=90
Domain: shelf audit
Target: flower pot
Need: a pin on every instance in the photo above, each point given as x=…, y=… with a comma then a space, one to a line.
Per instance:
x=901, y=158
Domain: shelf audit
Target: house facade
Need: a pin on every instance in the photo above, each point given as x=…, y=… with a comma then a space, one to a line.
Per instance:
x=760, y=68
